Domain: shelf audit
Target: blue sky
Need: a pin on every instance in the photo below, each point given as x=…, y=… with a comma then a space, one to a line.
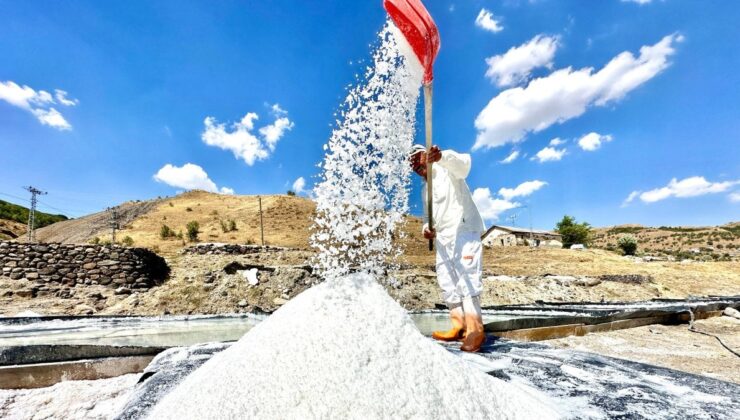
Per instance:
x=102, y=102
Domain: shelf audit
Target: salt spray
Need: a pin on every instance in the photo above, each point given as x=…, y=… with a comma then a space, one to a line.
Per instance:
x=345, y=348
x=363, y=192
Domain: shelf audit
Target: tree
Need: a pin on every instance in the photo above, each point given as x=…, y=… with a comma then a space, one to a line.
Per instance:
x=291, y=193
x=628, y=244
x=573, y=232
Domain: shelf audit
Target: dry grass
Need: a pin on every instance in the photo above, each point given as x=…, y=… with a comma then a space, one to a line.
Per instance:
x=10, y=229
x=286, y=220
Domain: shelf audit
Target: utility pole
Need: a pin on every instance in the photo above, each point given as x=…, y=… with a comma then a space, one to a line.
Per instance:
x=32, y=212
x=113, y=223
x=513, y=218
x=262, y=226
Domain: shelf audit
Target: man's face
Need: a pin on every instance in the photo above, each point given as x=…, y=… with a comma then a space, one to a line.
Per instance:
x=419, y=164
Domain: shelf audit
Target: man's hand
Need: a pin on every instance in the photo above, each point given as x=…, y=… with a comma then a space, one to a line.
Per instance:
x=429, y=233
x=434, y=155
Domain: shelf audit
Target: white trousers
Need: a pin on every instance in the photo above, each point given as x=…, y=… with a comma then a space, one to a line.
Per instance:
x=459, y=266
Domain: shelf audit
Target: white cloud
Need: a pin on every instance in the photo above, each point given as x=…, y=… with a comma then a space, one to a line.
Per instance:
x=557, y=141
x=630, y=198
x=486, y=20
x=512, y=157
x=39, y=103
x=734, y=197
x=515, y=65
x=688, y=187
x=274, y=132
x=241, y=141
x=522, y=190
x=61, y=96
x=299, y=185
x=489, y=207
x=549, y=154
x=188, y=177
x=593, y=141
x=566, y=94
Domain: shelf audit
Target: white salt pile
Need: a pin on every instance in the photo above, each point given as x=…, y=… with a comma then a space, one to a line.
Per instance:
x=345, y=348
x=346, y=351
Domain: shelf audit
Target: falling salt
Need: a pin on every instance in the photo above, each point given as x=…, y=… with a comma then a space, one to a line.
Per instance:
x=363, y=192
x=345, y=348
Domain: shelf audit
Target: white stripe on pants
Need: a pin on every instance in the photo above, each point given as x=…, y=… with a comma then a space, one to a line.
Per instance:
x=459, y=266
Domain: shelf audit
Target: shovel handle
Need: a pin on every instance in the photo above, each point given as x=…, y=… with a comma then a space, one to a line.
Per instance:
x=428, y=124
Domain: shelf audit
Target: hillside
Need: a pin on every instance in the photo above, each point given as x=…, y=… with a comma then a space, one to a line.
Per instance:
x=706, y=243
x=287, y=221
x=19, y=214
x=10, y=229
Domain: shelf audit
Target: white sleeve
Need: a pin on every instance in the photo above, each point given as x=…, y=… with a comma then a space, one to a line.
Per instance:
x=457, y=164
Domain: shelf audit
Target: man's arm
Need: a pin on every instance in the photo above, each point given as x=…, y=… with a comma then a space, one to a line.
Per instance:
x=457, y=164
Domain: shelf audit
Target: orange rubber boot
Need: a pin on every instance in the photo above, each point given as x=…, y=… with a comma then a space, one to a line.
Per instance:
x=475, y=335
x=458, y=327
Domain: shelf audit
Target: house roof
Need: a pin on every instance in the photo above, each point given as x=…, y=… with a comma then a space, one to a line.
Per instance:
x=522, y=230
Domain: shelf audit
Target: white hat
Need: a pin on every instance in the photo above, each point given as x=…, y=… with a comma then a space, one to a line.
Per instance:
x=417, y=148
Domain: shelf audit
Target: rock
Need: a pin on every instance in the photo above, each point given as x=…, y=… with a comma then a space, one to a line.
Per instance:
x=208, y=287
x=123, y=291
x=731, y=312
x=251, y=276
x=32, y=275
x=25, y=293
x=279, y=301
x=89, y=266
x=84, y=309
x=242, y=303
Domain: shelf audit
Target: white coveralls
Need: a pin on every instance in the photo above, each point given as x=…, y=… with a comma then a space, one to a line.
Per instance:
x=458, y=225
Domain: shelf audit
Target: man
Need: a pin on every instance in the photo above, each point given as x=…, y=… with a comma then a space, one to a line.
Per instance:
x=457, y=230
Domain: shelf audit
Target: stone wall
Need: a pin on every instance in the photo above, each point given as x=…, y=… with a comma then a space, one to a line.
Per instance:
x=53, y=265
x=207, y=248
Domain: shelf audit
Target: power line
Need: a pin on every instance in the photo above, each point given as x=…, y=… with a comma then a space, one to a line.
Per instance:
x=32, y=213
x=14, y=196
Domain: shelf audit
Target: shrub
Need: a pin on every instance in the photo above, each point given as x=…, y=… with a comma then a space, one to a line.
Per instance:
x=224, y=227
x=95, y=241
x=128, y=241
x=628, y=244
x=165, y=232
x=192, y=229
x=572, y=232
x=232, y=225
x=291, y=193
x=188, y=209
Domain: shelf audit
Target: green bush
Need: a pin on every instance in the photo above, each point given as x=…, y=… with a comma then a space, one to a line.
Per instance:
x=291, y=193
x=128, y=241
x=232, y=225
x=192, y=229
x=572, y=232
x=95, y=241
x=165, y=232
x=628, y=244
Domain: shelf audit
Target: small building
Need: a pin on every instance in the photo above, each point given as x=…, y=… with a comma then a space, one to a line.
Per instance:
x=498, y=235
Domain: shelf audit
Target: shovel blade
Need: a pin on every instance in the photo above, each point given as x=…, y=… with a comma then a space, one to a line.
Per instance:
x=419, y=29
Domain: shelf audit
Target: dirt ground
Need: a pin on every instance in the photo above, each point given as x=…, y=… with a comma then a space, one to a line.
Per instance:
x=199, y=284
x=672, y=346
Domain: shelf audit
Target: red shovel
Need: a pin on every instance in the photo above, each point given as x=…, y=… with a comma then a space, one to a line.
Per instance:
x=417, y=26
